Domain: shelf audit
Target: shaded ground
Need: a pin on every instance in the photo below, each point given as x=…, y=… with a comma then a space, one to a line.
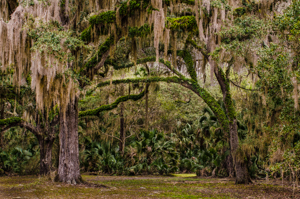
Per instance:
x=143, y=187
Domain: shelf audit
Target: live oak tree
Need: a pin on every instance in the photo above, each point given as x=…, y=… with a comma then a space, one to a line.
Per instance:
x=40, y=40
x=41, y=48
x=19, y=109
x=31, y=44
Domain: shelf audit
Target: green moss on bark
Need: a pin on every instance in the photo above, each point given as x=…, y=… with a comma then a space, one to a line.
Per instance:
x=139, y=31
x=8, y=121
x=102, y=49
x=141, y=61
x=128, y=8
x=86, y=34
x=103, y=18
x=95, y=112
x=188, y=59
x=228, y=100
x=187, y=23
x=188, y=2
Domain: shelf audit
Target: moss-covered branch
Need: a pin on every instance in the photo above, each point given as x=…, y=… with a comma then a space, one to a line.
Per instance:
x=103, y=18
x=188, y=2
x=187, y=23
x=139, y=31
x=225, y=87
x=108, y=107
x=12, y=92
x=118, y=66
x=100, y=19
x=188, y=59
x=103, y=48
x=9, y=121
x=169, y=66
x=145, y=80
x=86, y=34
x=142, y=61
x=188, y=83
x=128, y=8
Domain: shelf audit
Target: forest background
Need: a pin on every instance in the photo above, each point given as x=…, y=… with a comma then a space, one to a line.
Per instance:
x=150, y=87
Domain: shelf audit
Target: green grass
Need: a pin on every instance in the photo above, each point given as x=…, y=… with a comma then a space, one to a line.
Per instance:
x=185, y=175
x=178, y=186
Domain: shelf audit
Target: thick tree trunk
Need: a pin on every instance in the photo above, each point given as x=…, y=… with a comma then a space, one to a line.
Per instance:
x=68, y=168
x=241, y=170
x=45, y=156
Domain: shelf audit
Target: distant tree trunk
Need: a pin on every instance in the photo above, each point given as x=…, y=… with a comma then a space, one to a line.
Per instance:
x=2, y=106
x=57, y=153
x=1, y=141
x=147, y=107
x=229, y=166
x=45, y=155
x=147, y=101
x=68, y=168
x=122, y=124
x=46, y=139
x=122, y=129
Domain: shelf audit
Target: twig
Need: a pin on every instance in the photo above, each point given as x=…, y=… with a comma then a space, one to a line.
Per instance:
x=243, y=87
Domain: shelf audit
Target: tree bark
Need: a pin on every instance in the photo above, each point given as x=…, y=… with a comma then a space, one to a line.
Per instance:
x=122, y=124
x=147, y=107
x=241, y=170
x=229, y=166
x=68, y=168
x=12, y=5
x=45, y=156
x=122, y=129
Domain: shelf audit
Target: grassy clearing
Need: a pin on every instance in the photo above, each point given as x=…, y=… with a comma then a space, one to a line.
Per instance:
x=179, y=186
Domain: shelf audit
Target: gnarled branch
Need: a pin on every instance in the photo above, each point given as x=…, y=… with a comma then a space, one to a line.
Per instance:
x=113, y=105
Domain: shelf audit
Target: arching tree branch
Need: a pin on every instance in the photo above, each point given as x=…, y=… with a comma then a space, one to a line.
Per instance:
x=107, y=107
x=187, y=57
x=10, y=121
x=30, y=128
x=17, y=121
x=187, y=83
x=142, y=61
x=173, y=79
